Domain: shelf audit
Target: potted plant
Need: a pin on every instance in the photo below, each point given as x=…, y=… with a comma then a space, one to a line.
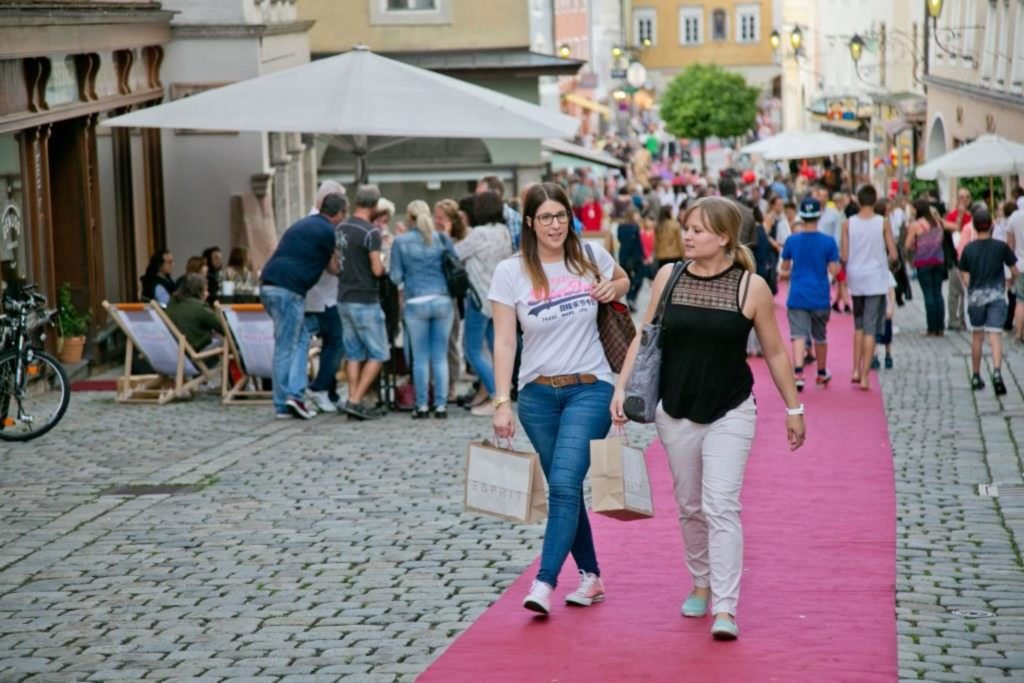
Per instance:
x=71, y=327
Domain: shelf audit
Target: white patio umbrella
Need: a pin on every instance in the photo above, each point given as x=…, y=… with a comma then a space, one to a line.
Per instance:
x=989, y=155
x=361, y=102
x=800, y=144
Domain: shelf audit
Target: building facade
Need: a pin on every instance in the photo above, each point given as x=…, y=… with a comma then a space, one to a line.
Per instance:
x=79, y=205
x=488, y=44
x=233, y=189
x=975, y=73
x=669, y=35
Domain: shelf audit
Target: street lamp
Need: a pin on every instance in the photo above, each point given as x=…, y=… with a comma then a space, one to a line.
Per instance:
x=564, y=51
x=796, y=38
x=646, y=42
x=935, y=9
x=775, y=40
x=619, y=95
x=856, y=47
x=616, y=52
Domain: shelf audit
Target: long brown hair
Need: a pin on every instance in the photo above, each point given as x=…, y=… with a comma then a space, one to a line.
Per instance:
x=450, y=208
x=722, y=217
x=575, y=259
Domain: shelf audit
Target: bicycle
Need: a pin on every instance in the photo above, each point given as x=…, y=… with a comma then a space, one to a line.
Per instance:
x=34, y=388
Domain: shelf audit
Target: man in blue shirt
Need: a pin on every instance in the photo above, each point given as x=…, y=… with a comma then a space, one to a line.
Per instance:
x=808, y=258
x=305, y=251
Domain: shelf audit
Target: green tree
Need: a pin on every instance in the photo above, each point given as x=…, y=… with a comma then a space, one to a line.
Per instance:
x=705, y=101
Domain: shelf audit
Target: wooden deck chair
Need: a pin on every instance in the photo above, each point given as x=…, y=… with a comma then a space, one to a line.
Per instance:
x=179, y=369
x=249, y=342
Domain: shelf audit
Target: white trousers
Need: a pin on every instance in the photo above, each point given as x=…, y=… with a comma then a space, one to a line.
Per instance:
x=707, y=463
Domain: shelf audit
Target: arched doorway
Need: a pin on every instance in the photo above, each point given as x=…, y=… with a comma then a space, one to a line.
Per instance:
x=937, y=139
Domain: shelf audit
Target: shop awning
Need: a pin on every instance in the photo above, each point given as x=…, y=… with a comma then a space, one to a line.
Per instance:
x=575, y=154
x=591, y=105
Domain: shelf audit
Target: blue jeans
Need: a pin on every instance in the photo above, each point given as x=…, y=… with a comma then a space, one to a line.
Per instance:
x=561, y=422
x=364, y=333
x=479, y=327
x=328, y=326
x=291, y=343
x=930, y=278
x=429, y=324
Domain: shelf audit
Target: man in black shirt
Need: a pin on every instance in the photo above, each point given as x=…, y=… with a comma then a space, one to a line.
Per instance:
x=981, y=267
x=748, y=229
x=364, y=332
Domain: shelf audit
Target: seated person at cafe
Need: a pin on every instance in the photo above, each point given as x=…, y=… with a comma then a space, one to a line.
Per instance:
x=239, y=271
x=191, y=314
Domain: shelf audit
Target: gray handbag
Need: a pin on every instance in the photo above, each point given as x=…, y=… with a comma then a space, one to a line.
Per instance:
x=642, y=389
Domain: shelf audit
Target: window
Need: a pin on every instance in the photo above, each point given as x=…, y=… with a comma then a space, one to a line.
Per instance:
x=988, y=52
x=970, y=24
x=719, y=29
x=691, y=29
x=1001, y=55
x=645, y=26
x=1017, y=65
x=748, y=23
x=414, y=5
x=410, y=12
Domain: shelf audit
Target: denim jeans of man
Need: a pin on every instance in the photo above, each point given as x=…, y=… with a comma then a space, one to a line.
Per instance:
x=291, y=343
x=561, y=422
x=429, y=323
x=478, y=328
x=930, y=278
x=328, y=325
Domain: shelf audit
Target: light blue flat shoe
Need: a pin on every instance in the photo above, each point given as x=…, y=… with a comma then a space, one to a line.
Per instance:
x=695, y=606
x=724, y=629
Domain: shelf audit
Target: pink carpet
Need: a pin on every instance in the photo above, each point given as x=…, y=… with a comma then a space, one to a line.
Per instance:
x=818, y=596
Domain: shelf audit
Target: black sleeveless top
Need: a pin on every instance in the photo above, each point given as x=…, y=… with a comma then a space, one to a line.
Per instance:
x=704, y=371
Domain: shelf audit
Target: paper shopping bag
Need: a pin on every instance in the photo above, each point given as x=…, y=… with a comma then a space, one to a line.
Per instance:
x=619, y=485
x=504, y=483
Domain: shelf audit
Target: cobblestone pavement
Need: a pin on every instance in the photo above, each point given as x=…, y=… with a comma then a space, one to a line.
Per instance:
x=957, y=550
x=332, y=550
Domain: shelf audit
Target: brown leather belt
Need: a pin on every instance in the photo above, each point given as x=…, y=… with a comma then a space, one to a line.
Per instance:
x=565, y=380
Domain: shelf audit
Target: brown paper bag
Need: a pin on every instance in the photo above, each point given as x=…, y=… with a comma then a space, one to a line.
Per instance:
x=504, y=483
x=619, y=484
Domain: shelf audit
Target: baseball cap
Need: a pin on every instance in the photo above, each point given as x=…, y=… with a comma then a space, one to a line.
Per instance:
x=810, y=209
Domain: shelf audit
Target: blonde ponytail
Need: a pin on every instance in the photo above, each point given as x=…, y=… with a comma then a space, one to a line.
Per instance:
x=419, y=210
x=744, y=258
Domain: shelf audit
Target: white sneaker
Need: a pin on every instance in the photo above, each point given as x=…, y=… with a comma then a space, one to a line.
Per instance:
x=483, y=410
x=590, y=590
x=539, y=598
x=323, y=402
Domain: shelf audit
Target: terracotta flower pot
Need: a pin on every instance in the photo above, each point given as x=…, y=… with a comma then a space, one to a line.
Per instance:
x=71, y=349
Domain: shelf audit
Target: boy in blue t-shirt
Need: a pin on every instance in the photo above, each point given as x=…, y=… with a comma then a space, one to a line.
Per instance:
x=808, y=258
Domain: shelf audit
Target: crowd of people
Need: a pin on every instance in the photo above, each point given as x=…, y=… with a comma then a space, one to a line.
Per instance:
x=513, y=286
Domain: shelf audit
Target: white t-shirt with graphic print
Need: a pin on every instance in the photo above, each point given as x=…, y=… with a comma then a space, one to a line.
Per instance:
x=559, y=331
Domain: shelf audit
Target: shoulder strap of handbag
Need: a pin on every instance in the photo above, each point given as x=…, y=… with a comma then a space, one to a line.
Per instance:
x=677, y=270
x=593, y=261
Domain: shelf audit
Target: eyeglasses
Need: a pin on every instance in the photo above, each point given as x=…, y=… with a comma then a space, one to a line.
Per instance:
x=546, y=219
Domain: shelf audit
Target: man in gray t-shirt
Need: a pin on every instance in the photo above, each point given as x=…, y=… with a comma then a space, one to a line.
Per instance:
x=831, y=221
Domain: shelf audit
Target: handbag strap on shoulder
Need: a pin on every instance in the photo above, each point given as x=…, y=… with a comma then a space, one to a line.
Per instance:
x=677, y=271
x=593, y=261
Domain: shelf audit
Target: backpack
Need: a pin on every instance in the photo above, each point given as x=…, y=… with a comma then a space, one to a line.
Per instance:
x=455, y=273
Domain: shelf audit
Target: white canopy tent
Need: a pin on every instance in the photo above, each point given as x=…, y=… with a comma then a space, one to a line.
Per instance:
x=799, y=144
x=361, y=102
x=989, y=155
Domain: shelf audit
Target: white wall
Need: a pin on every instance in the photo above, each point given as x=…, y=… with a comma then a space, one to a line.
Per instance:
x=201, y=172
x=230, y=11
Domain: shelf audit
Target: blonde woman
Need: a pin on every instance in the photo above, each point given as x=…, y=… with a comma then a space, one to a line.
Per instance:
x=707, y=412
x=553, y=288
x=416, y=263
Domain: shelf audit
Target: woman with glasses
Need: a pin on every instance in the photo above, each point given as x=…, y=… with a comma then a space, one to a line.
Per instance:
x=486, y=245
x=553, y=287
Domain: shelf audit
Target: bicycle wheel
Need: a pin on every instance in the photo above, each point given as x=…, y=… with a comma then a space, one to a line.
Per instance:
x=34, y=406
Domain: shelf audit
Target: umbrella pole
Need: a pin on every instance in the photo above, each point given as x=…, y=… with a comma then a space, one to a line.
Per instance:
x=991, y=194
